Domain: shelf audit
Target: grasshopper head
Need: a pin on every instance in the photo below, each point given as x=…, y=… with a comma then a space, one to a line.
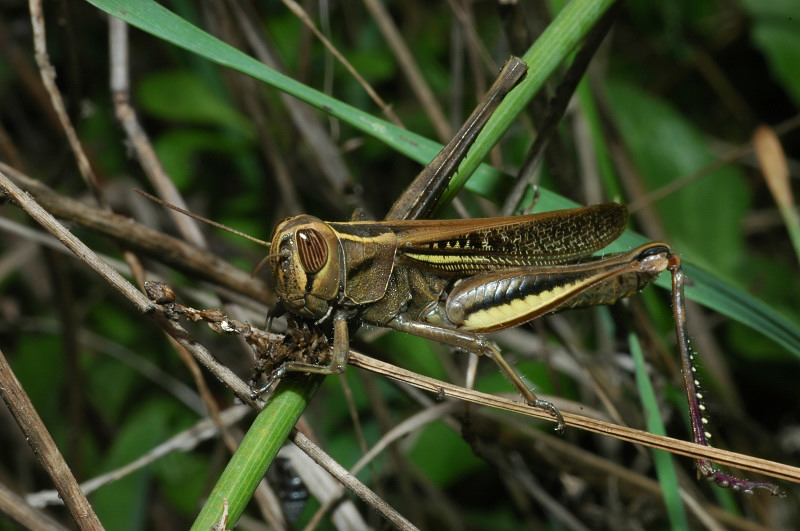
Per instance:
x=305, y=269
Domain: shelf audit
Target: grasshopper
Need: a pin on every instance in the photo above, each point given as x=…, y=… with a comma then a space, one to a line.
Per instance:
x=453, y=281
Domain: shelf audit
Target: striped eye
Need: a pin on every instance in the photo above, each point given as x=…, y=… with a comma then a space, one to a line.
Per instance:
x=312, y=250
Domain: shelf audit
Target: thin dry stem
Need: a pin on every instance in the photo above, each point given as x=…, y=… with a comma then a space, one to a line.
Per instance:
x=48, y=74
x=45, y=448
x=302, y=14
x=120, y=90
x=139, y=300
x=350, y=481
x=675, y=446
x=410, y=69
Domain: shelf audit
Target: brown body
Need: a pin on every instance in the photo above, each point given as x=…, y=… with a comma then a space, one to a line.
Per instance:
x=481, y=275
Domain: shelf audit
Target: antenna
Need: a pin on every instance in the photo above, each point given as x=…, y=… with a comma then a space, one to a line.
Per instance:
x=201, y=218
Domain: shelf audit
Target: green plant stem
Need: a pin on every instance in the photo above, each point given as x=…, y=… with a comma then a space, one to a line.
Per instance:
x=256, y=452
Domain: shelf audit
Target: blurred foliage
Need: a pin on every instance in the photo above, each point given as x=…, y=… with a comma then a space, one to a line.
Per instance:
x=664, y=147
x=676, y=87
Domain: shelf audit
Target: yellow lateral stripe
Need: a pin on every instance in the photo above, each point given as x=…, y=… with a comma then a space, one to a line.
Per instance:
x=509, y=311
x=446, y=259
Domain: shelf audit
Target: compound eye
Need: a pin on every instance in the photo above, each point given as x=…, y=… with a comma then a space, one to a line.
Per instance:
x=312, y=249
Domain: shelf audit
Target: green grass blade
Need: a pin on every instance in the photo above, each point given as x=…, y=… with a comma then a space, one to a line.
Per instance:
x=665, y=468
x=543, y=57
x=551, y=49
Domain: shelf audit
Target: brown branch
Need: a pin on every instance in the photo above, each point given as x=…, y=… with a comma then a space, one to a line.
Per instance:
x=141, y=302
x=675, y=446
x=45, y=449
x=166, y=249
x=48, y=74
x=15, y=508
x=349, y=480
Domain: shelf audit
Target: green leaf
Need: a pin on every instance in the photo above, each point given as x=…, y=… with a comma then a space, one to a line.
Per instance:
x=123, y=504
x=184, y=97
x=702, y=219
x=444, y=455
x=776, y=32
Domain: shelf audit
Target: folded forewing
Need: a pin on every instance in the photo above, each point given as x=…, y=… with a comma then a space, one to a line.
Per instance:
x=455, y=248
